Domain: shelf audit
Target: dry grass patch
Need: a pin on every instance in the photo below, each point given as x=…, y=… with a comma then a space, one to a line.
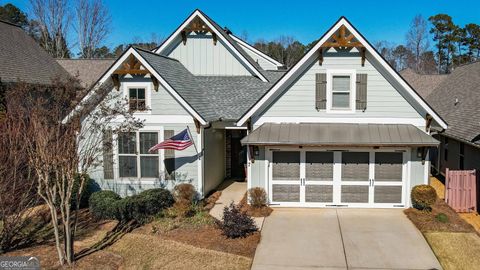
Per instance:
x=455, y=250
x=140, y=251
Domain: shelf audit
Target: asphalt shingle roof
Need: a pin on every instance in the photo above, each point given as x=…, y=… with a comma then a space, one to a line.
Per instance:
x=213, y=97
x=457, y=100
x=22, y=59
x=86, y=70
x=424, y=84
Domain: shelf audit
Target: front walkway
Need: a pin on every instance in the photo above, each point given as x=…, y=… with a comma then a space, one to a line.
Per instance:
x=342, y=239
x=232, y=191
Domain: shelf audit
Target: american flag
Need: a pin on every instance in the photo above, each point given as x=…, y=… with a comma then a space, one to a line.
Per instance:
x=181, y=141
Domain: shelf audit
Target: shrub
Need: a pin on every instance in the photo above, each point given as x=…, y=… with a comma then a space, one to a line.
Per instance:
x=442, y=217
x=257, y=197
x=89, y=188
x=103, y=204
x=184, y=193
x=144, y=205
x=235, y=223
x=423, y=197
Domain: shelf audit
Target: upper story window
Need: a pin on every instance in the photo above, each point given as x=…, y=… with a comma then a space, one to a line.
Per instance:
x=137, y=99
x=340, y=97
x=341, y=92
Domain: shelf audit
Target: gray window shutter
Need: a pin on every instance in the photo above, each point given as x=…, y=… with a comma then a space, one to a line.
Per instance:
x=321, y=91
x=361, y=102
x=107, y=155
x=169, y=159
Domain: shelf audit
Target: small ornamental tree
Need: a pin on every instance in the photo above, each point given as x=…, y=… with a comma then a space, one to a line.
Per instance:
x=63, y=144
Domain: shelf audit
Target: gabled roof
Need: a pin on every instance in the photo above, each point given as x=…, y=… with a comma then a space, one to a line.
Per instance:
x=296, y=70
x=206, y=98
x=457, y=100
x=86, y=70
x=241, y=54
x=22, y=59
x=424, y=84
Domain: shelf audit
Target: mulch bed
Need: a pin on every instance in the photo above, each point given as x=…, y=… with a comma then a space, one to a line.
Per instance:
x=210, y=237
x=426, y=221
x=264, y=211
x=210, y=201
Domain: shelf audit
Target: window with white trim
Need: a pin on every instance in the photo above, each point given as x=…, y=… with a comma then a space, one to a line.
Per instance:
x=137, y=99
x=341, y=91
x=134, y=160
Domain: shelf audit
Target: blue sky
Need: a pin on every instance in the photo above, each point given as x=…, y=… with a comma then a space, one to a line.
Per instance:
x=305, y=20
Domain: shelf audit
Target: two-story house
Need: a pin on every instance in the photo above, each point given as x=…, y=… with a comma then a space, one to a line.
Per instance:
x=339, y=128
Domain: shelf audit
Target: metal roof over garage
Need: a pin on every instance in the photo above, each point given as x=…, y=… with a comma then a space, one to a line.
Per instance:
x=329, y=134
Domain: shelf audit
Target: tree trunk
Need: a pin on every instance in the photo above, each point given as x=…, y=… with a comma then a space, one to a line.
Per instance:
x=53, y=214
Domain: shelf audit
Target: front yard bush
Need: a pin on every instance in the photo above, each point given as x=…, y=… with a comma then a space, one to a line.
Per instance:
x=236, y=223
x=423, y=197
x=442, y=217
x=184, y=193
x=103, y=204
x=89, y=188
x=144, y=205
x=258, y=197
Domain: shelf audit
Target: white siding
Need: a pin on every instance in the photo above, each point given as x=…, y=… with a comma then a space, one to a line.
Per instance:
x=201, y=57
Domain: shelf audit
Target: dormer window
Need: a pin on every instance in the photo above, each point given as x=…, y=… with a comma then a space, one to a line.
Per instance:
x=136, y=99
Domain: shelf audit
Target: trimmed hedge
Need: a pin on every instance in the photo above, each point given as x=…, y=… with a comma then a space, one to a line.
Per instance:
x=423, y=197
x=108, y=204
x=103, y=204
x=144, y=205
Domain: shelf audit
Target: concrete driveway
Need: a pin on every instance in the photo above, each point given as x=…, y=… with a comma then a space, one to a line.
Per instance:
x=342, y=239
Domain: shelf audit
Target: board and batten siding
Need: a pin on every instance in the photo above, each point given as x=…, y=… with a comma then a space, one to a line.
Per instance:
x=258, y=170
x=265, y=64
x=201, y=57
x=383, y=100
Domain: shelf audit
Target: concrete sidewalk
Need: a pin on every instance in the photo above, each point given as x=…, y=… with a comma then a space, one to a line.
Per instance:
x=232, y=191
x=342, y=239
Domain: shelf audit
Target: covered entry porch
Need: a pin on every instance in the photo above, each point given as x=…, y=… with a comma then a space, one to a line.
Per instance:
x=338, y=165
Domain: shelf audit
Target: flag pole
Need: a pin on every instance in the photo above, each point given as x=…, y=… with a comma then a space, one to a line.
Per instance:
x=193, y=141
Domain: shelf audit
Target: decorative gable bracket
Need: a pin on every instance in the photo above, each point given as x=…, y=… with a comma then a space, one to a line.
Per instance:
x=133, y=67
x=341, y=41
x=198, y=26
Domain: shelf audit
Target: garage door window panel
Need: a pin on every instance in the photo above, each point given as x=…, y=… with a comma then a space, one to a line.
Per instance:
x=319, y=166
x=286, y=165
x=355, y=166
x=388, y=166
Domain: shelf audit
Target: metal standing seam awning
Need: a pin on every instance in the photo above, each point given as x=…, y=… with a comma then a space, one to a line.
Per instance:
x=331, y=134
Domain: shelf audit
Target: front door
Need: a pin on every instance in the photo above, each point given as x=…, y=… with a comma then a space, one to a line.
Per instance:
x=337, y=178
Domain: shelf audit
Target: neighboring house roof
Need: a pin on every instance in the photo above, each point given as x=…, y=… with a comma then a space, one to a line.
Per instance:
x=335, y=134
x=22, y=59
x=86, y=70
x=424, y=84
x=213, y=97
x=312, y=55
x=457, y=99
x=248, y=61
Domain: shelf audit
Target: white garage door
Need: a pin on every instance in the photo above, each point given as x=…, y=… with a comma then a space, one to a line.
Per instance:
x=337, y=178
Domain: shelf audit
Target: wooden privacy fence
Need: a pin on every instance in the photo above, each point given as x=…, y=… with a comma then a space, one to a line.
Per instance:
x=461, y=190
